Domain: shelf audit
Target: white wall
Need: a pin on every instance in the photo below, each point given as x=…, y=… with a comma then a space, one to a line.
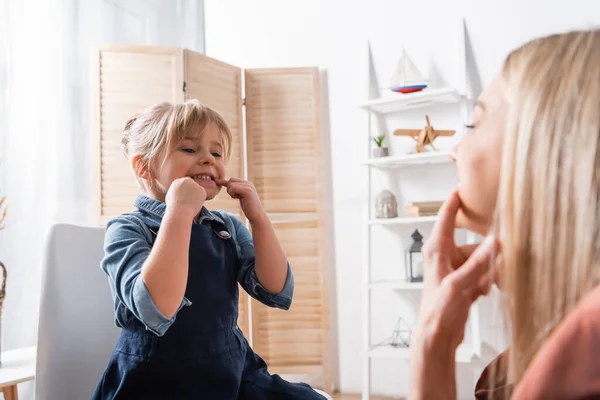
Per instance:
x=332, y=35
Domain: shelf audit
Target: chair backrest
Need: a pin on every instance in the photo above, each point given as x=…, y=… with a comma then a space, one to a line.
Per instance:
x=76, y=330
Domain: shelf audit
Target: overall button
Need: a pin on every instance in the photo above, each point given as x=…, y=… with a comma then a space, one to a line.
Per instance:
x=224, y=234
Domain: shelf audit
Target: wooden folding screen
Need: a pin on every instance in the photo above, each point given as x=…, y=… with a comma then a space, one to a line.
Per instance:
x=283, y=161
x=219, y=85
x=127, y=79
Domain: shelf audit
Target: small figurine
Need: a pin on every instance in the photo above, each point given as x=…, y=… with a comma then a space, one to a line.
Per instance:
x=401, y=334
x=423, y=137
x=386, y=205
x=407, y=78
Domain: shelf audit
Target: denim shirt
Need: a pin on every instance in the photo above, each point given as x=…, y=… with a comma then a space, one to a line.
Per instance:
x=128, y=242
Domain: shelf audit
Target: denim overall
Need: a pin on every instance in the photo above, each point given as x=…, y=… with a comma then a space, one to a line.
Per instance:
x=204, y=354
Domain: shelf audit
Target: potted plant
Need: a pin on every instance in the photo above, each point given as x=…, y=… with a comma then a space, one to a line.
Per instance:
x=380, y=151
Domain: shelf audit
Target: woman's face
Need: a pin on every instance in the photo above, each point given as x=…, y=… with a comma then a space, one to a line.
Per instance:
x=478, y=157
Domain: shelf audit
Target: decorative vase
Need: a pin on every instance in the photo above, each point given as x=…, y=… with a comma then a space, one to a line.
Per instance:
x=386, y=205
x=380, y=152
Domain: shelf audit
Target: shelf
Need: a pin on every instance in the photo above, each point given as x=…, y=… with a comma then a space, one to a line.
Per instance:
x=396, y=284
x=409, y=101
x=464, y=353
x=432, y=157
x=403, y=220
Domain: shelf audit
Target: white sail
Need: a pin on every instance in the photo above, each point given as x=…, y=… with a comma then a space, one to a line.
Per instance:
x=406, y=73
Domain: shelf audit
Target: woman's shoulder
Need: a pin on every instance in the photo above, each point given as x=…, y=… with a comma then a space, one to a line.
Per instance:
x=565, y=367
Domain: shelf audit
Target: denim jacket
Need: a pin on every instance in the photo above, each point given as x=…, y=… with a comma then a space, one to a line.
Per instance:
x=127, y=244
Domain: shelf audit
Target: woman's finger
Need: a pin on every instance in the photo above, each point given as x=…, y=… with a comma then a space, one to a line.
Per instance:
x=446, y=223
x=478, y=265
x=466, y=250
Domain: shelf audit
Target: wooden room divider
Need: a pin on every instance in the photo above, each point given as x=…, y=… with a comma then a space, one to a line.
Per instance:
x=279, y=151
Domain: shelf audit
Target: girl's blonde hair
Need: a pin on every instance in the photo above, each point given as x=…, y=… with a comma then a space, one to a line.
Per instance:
x=156, y=131
x=548, y=210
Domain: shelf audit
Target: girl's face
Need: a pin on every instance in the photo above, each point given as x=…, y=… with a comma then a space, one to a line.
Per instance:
x=199, y=156
x=478, y=157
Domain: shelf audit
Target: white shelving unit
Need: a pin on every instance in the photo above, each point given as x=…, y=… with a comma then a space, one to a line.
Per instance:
x=464, y=353
x=395, y=284
x=380, y=108
x=393, y=162
x=403, y=221
x=414, y=100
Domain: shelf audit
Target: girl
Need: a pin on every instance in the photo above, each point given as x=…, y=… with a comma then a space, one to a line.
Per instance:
x=174, y=268
x=530, y=176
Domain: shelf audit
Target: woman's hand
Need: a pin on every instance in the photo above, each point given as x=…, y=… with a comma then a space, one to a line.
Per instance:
x=454, y=277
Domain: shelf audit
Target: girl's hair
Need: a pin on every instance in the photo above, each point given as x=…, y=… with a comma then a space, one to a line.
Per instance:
x=548, y=211
x=156, y=131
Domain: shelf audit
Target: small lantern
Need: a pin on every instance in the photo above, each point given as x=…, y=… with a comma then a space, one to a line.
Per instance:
x=386, y=205
x=414, y=259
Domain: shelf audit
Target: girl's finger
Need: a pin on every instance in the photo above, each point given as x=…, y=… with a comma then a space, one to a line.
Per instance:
x=222, y=182
x=232, y=190
x=446, y=223
x=237, y=190
x=477, y=266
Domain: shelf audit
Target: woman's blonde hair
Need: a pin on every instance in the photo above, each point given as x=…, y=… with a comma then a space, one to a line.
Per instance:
x=156, y=131
x=548, y=210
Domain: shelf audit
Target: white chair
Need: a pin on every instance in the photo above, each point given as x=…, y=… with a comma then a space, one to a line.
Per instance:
x=322, y=393
x=76, y=333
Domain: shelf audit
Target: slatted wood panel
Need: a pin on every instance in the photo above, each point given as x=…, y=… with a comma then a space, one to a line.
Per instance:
x=128, y=79
x=295, y=337
x=284, y=163
x=282, y=137
x=219, y=85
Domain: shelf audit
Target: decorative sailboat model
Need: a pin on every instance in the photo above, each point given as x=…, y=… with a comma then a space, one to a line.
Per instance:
x=407, y=78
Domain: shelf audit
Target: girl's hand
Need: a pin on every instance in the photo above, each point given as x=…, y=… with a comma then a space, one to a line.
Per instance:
x=246, y=193
x=454, y=277
x=186, y=197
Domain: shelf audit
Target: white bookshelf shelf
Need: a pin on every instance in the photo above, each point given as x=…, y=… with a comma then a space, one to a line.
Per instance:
x=433, y=157
x=403, y=220
x=464, y=353
x=395, y=284
x=426, y=98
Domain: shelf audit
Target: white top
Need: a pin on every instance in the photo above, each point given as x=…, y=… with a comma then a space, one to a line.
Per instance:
x=17, y=366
